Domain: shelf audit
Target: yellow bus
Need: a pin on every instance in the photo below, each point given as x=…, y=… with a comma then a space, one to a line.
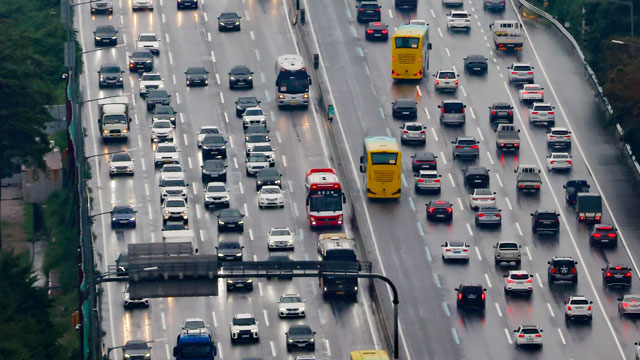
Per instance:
x=380, y=161
x=410, y=52
x=369, y=355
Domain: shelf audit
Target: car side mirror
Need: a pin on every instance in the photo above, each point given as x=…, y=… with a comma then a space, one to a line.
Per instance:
x=541, y=330
x=439, y=175
x=602, y=269
x=549, y=262
x=453, y=142
x=505, y=275
x=519, y=246
x=456, y=289
x=216, y=247
x=531, y=214
x=464, y=106
x=515, y=171
x=591, y=302
x=439, y=106
x=515, y=331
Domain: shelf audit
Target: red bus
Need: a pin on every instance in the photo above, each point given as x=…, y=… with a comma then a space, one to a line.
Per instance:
x=324, y=198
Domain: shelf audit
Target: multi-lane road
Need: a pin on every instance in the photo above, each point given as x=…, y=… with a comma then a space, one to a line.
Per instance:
x=401, y=243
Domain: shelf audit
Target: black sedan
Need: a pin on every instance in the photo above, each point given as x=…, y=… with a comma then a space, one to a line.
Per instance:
x=476, y=64
x=196, y=76
x=105, y=35
x=245, y=102
x=239, y=284
x=141, y=60
x=110, y=75
x=230, y=220
x=123, y=215
x=214, y=146
x=229, y=250
x=439, y=210
x=240, y=76
x=300, y=336
x=424, y=161
x=229, y=21
x=269, y=176
x=164, y=112
x=377, y=31
x=214, y=170
x=404, y=109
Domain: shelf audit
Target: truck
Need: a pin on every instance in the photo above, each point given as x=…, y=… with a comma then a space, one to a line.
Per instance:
x=507, y=34
x=177, y=236
x=589, y=207
x=572, y=188
x=338, y=247
x=195, y=346
x=528, y=178
x=114, y=121
x=507, y=137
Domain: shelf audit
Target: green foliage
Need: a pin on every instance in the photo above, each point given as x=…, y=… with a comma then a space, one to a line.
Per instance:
x=27, y=331
x=32, y=53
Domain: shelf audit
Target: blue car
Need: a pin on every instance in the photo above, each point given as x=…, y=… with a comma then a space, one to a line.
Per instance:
x=123, y=215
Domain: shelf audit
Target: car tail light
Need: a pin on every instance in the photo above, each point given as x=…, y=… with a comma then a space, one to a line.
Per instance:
x=552, y=136
x=569, y=307
x=474, y=199
x=419, y=73
x=589, y=308
x=521, y=186
x=385, y=31
x=420, y=180
x=406, y=132
x=534, y=112
x=570, y=163
x=459, y=147
x=501, y=144
x=370, y=31
x=436, y=180
x=530, y=72
x=510, y=281
x=378, y=9
x=552, y=162
x=539, y=92
x=447, y=250
x=581, y=217
x=597, y=217
x=625, y=305
x=537, y=186
x=449, y=210
x=474, y=146
x=516, y=144
x=513, y=72
x=361, y=9
x=463, y=110
x=510, y=112
x=521, y=335
x=525, y=93
x=456, y=82
x=421, y=131
x=597, y=235
x=480, y=215
x=529, y=281
x=459, y=296
x=550, y=112
x=628, y=274
x=574, y=270
x=618, y=267
x=465, y=250
x=483, y=296
x=554, y=270
x=493, y=199
x=608, y=274
x=611, y=235
x=431, y=210
x=538, y=335
x=493, y=112
x=393, y=72
x=497, y=215
x=443, y=110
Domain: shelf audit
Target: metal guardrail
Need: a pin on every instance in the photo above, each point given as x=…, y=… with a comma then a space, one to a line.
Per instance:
x=592, y=75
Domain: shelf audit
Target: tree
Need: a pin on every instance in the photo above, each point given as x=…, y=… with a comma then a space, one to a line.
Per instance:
x=27, y=331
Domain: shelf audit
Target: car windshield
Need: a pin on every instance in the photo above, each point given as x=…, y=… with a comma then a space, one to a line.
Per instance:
x=456, y=244
x=483, y=192
x=547, y=216
x=257, y=138
x=579, y=302
x=520, y=276
x=254, y=112
x=121, y=157
x=271, y=190
x=209, y=131
x=122, y=210
x=293, y=81
x=161, y=125
x=446, y=75
x=405, y=103
x=163, y=110
x=476, y=58
x=141, y=55
x=147, y=38
x=229, y=16
x=280, y=232
x=325, y=200
x=244, y=322
x=508, y=246
x=151, y=77
x=489, y=210
x=158, y=94
x=194, y=324
x=175, y=203
x=110, y=69
x=228, y=245
x=424, y=175
x=197, y=70
x=166, y=149
x=407, y=42
x=216, y=188
x=263, y=148
x=527, y=331
x=384, y=158
x=459, y=16
x=542, y=108
x=453, y=107
x=532, y=87
x=240, y=71
x=136, y=346
x=290, y=299
x=560, y=132
x=413, y=127
x=230, y=213
x=466, y=142
x=114, y=119
x=172, y=182
x=299, y=330
x=247, y=101
x=521, y=68
x=212, y=139
x=560, y=156
x=257, y=158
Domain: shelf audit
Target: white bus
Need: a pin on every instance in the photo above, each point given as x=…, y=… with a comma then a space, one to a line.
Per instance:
x=292, y=81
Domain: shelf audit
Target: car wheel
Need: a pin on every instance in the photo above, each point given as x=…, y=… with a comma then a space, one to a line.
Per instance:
x=566, y=317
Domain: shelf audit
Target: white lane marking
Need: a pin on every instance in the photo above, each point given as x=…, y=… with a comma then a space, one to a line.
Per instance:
x=273, y=348
x=490, y=158
x=262, y=78
x=186, y=143
x=251, y=234
x=230, y=140
x=163, y=19
x=139, y=141
x=197, y=212
x=436, y=279
x=221, y=98
x=419, y=92
x=135, y=118
x=278, y=137
x=478, y=253
x=326, y=341
x=144, y=167
x=506, y=332
x=426, y=249
x=246, y=209
x=246, y=15
x=121, y=19
x=440, y=32
x=498, y=310
x=473, y=114
x=444, y=160
x=390, y=13
x=257, y=54
x=485, y=37
x=404, y=180
x=266, y=317
x=166, y=37
x=454, y=333
x=226, y=118
x=462, y=88
x=451, y=178
x=519, y=229
x=284, y=161
x=469, y=229
x=124, y=39
x=290, y=183
x=295, y=209
x=181, y=118
x=539, y=280
x=353, y=31
x=213, y=56
x=153, y=237
x=206, y=18
x=486, y=277
x=260, y=289
x=562, y=337
x=220, y=350
x=499, y=180
x=420, y=229
x=170, y=58
x=252, y=35
x=435, y=136
x=551, y=310
x=460, y=203
x=215, y=321
x=427, y=112
x=526, y=248
x=173, y=78
x=448, y=53
x=164, y=322
x=178, y=98
x=150, y=213
x=508, y=203
x=241, y=188
x=480, y=133
x=166, y=349
x=202, y=235
x=146, y=190
x=433, y=14
x=235, y=162
x=412, y=204
x=190, y=163
x=209, y=36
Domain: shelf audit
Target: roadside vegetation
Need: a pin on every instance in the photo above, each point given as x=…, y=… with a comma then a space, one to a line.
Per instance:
x=612, y=61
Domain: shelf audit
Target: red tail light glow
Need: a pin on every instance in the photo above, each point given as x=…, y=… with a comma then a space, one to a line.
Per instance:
x=459, y=296
x=483, y=296
x=598, y=235
x=370, y=31
x=608, y=274
x=436, y=180
x=574, y=270
x=554, y=270
x=493, y=112
x=569, y=307
x=474, y=146
x=480, y=215
x=420, y=180
x=611, y=235
x=521, y=335
x=628, y=274
x=529, y=281
x=449, y=210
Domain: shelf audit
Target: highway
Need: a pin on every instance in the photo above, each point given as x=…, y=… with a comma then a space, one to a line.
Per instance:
x=407, y=246
x=191, y=38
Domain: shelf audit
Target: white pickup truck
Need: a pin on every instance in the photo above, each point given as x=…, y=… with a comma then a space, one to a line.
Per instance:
x=507, y=35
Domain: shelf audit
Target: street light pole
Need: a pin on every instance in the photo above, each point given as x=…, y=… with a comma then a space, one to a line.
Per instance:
x=630, y=4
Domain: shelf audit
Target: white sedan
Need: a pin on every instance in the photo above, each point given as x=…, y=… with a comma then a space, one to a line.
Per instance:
x=206, y=130
x=121, y=163
x=280, y=238
x=559, y=161
x=455, y=250
x=482, y=198
x=270, y=195
x=531, y=92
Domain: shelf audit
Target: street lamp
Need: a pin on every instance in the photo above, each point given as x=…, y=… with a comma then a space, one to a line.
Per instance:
x=110, y=349
x=109, y=153
x=630, y=4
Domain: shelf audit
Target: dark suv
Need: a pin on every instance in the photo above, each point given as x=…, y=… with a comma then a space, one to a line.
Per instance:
x=470, y=296
x=562, y=268
x=604, y=235
x=476, y=177
x=500, y=113
x=404, y=109
x=214, y=146
x=368, y=11
x=545, y=220
x=439, y=210
x=452, y=112
x=424, y=161
x=613, y=275
x=230, y=220
x=269, y=176
x=214, y=170
x=157, y=97
x=465, y=147
x=141, y=60
x=110, y=75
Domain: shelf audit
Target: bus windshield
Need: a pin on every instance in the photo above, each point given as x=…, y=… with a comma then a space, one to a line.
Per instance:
x=292, y=82
x=325, y=200
x=407, y=42
x=383, y=158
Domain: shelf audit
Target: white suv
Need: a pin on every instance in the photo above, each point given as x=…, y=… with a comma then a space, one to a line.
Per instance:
x=254, y=116
x=577, y=307
x=518, y=281
x=244, y=327
x=459, y=20
x=175, y=208
x=528, y=335
x=150, y=42
x=270, y=195
x=291, y=305
x=150, y=81
x=165, y=154
x=482, y=198
x=172, y=185
x=279, y=238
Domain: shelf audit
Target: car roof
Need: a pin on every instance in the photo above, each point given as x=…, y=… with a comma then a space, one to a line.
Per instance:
x=148, y=34
x=561, y=258
x=488, y=209
x=500, y=104
x=465, y=138
x=424, y=155
x=546, y=211
x=196, y=70
x=428, y=172
x=518, y=272
x=439, y=203
x=476, y=170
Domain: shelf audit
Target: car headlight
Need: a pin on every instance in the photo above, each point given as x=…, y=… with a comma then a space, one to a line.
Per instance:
x=124, y=130
x=130, y=167
x=290, y=242
x=282, y=309
x=105, y=131
x=221, y=23
x=229, y=281
x=148, y=61
x=305, y=96
x=154, y=135
x=254, y=331
x=122, y=268
x=184, y=212
x=250, y=280
x=240, y=222
x=220, y=255
x=250, y=77
x=237, y=22
x=166, y=212
x=101, y=77
x=281, y=96
x=259, y=182
x=120, y=78
x=231, y=78
x=113, y=37
x=238, y=107
x=127, y=356
x=226, y=197
x=98, y=38
x=223, y=147
x=220, y=222
x=235, y=331
x=277, y=181
x=113, y=219
x=239, y=254
x=147, y=356
x=132, y=219
x=290, y=340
